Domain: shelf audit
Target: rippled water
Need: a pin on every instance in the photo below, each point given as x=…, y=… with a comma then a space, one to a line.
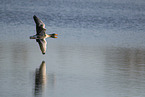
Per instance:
x=99, y=52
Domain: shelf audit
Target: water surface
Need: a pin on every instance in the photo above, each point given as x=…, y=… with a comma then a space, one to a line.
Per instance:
x=99, y=52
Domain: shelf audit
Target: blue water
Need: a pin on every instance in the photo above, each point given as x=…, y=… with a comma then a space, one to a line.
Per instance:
x=108, y=22
x=99, y=51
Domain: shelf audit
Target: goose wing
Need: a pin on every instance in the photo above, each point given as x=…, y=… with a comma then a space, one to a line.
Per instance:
x=40, y=26
x=42, y=44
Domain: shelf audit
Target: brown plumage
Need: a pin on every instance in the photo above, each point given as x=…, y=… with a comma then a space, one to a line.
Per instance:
x=41, y=35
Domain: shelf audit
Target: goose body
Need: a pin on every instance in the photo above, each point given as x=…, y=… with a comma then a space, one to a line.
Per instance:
x=41, y=35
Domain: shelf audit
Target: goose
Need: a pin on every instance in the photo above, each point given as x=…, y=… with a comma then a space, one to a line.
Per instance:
x=41, y=35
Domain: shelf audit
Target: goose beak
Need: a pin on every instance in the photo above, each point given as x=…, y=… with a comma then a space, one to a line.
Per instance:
x=56, y=35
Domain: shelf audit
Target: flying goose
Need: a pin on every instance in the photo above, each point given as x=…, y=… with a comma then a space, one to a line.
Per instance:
x=41, y=35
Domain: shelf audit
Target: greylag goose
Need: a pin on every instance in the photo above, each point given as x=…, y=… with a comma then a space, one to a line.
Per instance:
x=41, y=35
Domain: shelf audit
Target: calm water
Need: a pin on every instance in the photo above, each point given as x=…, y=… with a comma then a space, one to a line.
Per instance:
x=100, y=50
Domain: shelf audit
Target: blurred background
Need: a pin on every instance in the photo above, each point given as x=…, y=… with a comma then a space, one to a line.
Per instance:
x=99, y=52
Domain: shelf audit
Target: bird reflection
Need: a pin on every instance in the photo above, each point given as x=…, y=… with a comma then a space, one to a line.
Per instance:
x=40, y=79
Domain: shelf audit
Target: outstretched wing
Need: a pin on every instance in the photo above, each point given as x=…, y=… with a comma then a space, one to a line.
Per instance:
x=42, y=44
x=40, y=26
